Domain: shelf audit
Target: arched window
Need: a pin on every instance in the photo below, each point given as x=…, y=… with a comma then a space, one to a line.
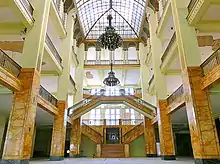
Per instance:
x=118, y=54
x=91, y=54
x=132, y=53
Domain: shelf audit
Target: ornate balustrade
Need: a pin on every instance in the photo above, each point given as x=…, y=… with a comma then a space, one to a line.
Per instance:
x=72, y=81
x=62, y=15
x=164, y=4
x=151, y=80
x=172, y=40
x=115, y=62
x=53, y=49
x=211, y=62
x=47, y=96
x=191, y=5
x=9, y=64
x=28, y=7
x=133, y=133
x=175, y=95
x=98, y=122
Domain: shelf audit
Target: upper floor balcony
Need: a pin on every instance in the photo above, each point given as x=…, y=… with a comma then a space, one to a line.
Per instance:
x=202, y=15
x=103, y=64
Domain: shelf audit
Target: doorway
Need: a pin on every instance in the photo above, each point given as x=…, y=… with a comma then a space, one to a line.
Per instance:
x=112, y=136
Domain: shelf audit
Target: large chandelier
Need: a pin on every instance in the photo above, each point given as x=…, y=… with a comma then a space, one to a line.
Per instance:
x=111, y=80
x=110, y=39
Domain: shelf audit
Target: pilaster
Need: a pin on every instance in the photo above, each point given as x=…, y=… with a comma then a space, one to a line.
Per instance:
x=20, y=132
x=75, y=138
x=127, y=150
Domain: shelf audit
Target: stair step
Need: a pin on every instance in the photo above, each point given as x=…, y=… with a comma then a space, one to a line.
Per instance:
x=112, y=151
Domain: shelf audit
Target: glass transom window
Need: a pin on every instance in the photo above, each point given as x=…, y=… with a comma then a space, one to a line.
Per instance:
x=127, y=16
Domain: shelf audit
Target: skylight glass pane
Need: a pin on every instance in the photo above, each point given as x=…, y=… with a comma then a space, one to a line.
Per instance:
x=127, y=16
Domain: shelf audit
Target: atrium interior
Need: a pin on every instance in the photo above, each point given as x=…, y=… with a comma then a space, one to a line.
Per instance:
x=109, y=81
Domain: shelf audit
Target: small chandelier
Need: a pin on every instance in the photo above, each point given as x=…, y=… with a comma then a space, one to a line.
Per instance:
x=110, y=39
x=111, y=80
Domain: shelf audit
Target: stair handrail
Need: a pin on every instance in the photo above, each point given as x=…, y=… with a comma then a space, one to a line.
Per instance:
x=142, y=102
x=135, y=127
x=83, y=102
x=93, y=131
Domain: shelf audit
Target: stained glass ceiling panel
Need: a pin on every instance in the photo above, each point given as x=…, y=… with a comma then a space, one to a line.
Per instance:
x=127, y=16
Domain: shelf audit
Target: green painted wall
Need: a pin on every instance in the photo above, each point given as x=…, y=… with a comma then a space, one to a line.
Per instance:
x=137, y=147
x=3, y=120
x=87, y=146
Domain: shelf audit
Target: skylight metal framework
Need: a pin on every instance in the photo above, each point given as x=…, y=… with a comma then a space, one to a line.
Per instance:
x=127, y=16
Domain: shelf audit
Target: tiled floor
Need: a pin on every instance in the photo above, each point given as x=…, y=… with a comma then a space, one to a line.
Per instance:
x=116, y=161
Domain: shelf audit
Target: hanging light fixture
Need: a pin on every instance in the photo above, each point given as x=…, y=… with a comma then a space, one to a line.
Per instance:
x=110, y=39
x=111, y=80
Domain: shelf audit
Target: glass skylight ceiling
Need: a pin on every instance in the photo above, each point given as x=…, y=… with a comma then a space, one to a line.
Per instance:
x=127, y=16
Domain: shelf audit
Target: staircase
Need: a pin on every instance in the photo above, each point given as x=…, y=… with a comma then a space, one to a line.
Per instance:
x=91, y=102
x=134, y=133
x=113, y=151
x=91, y=133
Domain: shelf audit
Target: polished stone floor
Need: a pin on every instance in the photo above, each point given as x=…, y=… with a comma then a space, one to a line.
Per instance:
x=115, y=161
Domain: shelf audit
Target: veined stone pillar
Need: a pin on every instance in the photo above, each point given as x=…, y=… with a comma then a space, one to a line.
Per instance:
x=18, y=143
x=98, y=150
x=166, y=133
x=127, y=150
x=75, y=138
x=202, y=128
x=150, y=140
x=164, y=121
x=59, y=133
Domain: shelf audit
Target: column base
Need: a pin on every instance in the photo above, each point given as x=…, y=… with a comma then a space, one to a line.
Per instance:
x=56, y=158
x=206, y=161
x=168, y=157
x=151, y=155
x=26, y=161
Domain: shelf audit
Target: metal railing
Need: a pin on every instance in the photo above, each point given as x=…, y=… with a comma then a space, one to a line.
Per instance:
x=62, y=17
x=211, y=62
x=191, y=5
x=102, y=93
x=98, y=122
x=164, y=6
x=53, y=49
x=172, y=40
x=9, y=64
x=116, y=62
x=151, y=80
x=72, y=81
x=175, y=95
x=131, y=121
x=28, y=7
x=47, y=96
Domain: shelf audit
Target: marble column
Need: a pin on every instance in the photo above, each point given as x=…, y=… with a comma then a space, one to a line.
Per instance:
x=18, y=143
x=75, y=138
x=166, y=133
x=150, y=139
x=98, y=150
x=127, y=150
x=59, y=133
x=204, y=138
x=164, y=121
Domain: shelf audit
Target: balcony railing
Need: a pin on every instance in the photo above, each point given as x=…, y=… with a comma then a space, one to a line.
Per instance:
x=172, y=40
x=75, y=55
x=191, y=5
x=28, y=7
x=151, y=80
x=165, y=2
x=53, y=49
x=47, y=96
x=9, y=64
x=175, y=95
x=98, y=122
x=63, y=15
x=72, y=81
x=212, y=61
x=116, y=62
